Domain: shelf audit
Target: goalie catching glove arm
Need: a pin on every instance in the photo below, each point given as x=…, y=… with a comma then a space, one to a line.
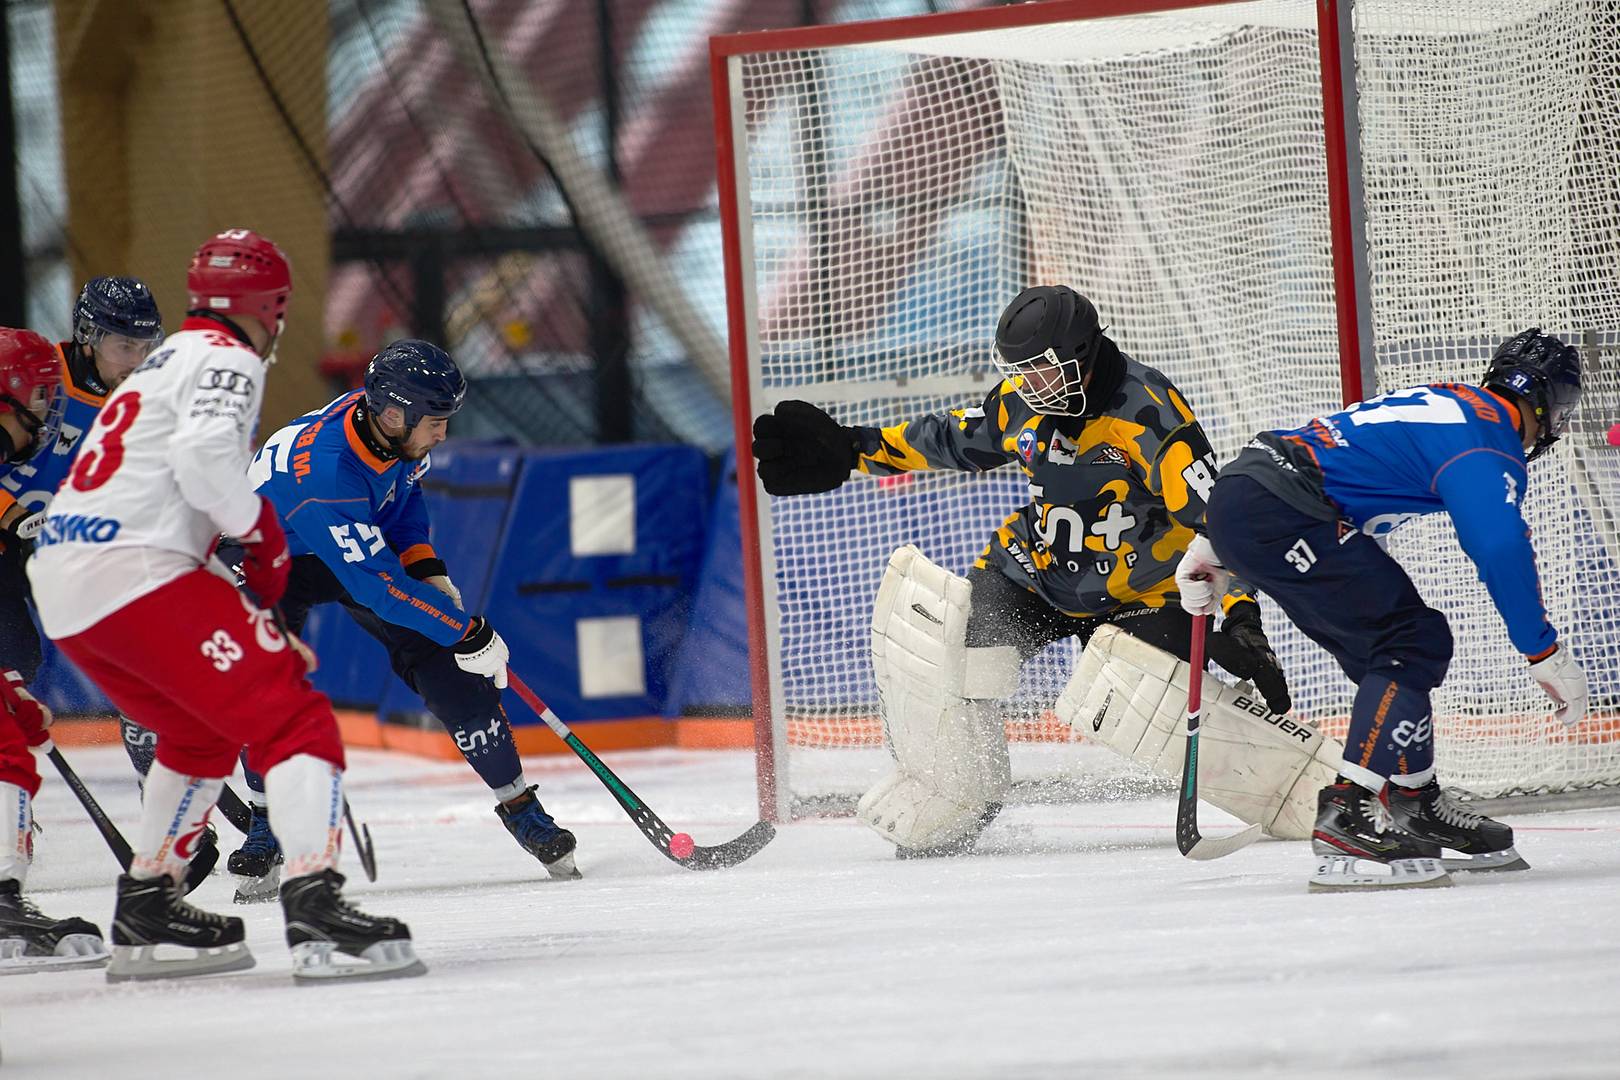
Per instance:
x=1240, y=647
x=801, y=450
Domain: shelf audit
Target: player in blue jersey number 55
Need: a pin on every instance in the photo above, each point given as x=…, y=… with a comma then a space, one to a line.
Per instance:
x=1296, y=515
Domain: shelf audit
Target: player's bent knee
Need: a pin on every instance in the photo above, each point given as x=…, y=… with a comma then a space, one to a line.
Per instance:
x=1261, y=767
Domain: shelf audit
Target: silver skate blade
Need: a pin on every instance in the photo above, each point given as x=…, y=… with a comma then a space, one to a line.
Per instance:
x=258, y=890
x=563, y=869
x=1506, y=859
x=1348, y=873
x=319, y=961
x=137, y=963
x=1216, y=847
x=73, y=951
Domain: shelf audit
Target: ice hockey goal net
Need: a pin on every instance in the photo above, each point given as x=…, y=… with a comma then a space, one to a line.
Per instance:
x=1283, y=205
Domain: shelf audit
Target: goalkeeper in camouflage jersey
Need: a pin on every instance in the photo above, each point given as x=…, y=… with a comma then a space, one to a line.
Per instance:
x=1118, y=469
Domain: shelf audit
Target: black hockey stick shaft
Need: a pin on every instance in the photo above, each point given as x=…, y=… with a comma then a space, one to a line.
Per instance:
x=651, y=825
x=196, y=871
x=235, y=810
x=98, y=817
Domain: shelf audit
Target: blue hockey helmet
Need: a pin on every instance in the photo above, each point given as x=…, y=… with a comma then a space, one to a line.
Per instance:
x=116, y=305
x=1543, y=371
x=415, y=377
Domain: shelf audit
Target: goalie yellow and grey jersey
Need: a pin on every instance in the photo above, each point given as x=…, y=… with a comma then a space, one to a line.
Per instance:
x=1114, y=496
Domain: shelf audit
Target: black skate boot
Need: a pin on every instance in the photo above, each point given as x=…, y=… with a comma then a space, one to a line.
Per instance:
x=540, y=836
x=1352, y=826
x=150, y=915
x=1431, y=814
x=321, y=925
x=32, y=941
x=257, y=863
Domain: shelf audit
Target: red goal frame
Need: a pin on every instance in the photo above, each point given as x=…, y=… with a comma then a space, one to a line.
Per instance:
x=1347, y=230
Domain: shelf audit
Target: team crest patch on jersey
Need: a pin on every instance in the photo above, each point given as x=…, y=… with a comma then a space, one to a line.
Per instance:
x=1112, y=455
x=1026, y=445
x=1063, y=450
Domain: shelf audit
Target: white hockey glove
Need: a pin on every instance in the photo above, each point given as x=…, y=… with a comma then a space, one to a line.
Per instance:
x=28, y=527
x=1201, y=578
x=482, y=652
x=1563, y=680
x=446, y=586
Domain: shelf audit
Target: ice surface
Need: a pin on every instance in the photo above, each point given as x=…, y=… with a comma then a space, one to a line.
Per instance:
x=1082, y=945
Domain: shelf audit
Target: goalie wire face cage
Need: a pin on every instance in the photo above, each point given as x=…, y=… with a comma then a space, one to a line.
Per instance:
x=1284, y=205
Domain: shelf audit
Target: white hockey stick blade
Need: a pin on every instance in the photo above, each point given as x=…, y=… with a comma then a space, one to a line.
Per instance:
x=1217, y=847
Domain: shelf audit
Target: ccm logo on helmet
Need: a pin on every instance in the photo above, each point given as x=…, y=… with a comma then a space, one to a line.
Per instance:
x=232, y=382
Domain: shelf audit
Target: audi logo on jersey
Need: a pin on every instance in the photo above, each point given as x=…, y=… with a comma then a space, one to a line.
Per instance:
x=232, y=382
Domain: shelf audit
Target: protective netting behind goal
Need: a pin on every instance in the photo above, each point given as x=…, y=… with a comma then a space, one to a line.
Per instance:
x=1172, y=168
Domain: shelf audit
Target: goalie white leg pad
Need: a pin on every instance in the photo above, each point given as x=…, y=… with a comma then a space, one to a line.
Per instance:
x=1263, y=768
x=952, y=770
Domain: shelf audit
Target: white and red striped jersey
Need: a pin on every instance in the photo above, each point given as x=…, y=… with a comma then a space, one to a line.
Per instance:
x=161, y=474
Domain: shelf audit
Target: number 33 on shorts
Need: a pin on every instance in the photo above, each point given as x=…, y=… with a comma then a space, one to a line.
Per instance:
x=222, y=649
x=1300, y=556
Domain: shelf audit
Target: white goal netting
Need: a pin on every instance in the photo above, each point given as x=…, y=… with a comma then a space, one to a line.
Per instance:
x=1172, y=168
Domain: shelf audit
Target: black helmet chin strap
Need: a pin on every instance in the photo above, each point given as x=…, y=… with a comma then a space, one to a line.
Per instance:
x=392, y=446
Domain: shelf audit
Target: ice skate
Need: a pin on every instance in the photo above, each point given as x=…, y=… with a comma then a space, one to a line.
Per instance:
x=322, y=927
x=1431, y=814
x=1358, y=846
x=33, y=941
x=257, y=863
x=157, y=935
x=540, y=836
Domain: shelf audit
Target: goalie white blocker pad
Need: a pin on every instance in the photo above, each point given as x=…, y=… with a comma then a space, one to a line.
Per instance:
x=939, y=714
x=1262, y=768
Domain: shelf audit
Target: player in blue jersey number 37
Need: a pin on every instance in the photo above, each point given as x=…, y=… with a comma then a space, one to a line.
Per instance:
x=1296, y=515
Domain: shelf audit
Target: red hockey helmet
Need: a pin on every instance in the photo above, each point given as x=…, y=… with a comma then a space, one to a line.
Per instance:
x=240, y=272
x=30, y=372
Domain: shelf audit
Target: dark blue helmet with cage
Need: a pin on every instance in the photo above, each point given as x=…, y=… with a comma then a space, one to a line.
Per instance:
x=1543, y=371
x=415, y=377
x=116, y=305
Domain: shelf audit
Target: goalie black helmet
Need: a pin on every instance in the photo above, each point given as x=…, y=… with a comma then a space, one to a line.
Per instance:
x=1046, y=342
x=1543, y=371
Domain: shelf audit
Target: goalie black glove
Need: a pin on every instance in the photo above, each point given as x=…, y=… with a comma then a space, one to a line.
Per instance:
x=1240, y=647
x=801, y=450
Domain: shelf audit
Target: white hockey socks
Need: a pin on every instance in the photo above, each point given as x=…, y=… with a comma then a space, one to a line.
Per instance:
x=174, y=816
x=17, y=835
x=306, y=813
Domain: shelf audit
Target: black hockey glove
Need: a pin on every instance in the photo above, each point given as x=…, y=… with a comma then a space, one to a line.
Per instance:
x=802, y=450
x=1240, y=647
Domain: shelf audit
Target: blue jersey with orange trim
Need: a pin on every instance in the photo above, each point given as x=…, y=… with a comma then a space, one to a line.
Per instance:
x=363, y=515
x=33, y=483
x=1442, y=447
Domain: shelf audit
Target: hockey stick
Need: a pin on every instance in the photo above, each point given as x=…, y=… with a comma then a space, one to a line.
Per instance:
x=196, y=871
x=1188, y=840
x=677, y=847
x=235, y=810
